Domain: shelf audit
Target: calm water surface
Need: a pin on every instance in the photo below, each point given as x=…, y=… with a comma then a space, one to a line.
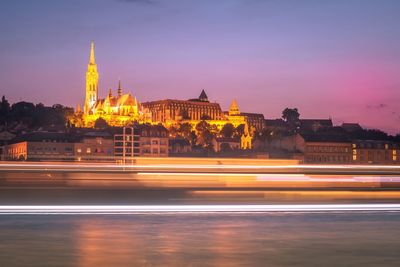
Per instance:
x=266, y=239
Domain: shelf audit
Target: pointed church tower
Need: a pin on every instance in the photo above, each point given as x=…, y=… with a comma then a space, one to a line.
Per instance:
x=234, y=109
x=119, y=89
x=92, y=82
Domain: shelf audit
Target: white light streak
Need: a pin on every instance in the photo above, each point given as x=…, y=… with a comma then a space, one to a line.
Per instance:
x=177, y=209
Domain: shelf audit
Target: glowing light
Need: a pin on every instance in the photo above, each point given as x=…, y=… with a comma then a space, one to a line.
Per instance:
x=156, y=209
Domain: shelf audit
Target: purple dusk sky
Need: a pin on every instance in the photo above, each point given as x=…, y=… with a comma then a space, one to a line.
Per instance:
x=338, y=58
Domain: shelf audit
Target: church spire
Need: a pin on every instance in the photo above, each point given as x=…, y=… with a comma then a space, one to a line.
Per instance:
x=91, y=60
x=119, y=88
x=92, y=82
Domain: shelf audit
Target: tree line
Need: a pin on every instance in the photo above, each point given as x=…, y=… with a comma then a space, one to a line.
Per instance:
x=31, y=116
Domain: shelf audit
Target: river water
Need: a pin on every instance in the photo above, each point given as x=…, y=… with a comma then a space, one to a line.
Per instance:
x=259, y=239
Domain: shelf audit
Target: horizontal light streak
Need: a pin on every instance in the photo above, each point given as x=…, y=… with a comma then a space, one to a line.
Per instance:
x=100, y=166
x=173, y=209
x=282, y=177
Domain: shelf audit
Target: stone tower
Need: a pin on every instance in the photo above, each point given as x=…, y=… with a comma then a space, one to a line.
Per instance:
x=234, y=109
x=92, y=82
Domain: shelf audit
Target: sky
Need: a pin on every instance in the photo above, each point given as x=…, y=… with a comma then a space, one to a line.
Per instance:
x=328, y=58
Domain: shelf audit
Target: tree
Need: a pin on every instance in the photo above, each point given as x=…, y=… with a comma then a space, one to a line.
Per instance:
x=292, y=117
x=239, y=131
x=185, y=130
x=205, y=139
x=4, y=110
x=4, y=106
x=203, y=126
x=371, y=134
x=101, y=123
x=204, y=135
x=227, y=130
x=225, y=147
x=205, y=117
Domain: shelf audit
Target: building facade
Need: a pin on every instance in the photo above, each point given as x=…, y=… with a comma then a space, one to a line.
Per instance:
x=171, y=111
x=95, y=146
x=41, y=146
x=375, y=152
x=141, y=141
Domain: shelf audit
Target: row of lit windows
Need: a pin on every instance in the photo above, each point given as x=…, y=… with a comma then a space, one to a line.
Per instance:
x=377, y=156
x=95, y=150
x=331, y=159
x=154, y=151
x=373, y=145
x=327, y=149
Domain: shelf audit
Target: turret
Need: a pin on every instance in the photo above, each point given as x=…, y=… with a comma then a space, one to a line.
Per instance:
x=234, y=109
x=203, y=96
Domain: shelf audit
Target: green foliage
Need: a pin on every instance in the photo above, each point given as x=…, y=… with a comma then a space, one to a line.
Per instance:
x=101, y=123
x=239, y=131
x=203, y=126
x=227, y=130
x=225, y=147
x=33, y=116
x=290, y=115
x=204, y=135
x=205, y=117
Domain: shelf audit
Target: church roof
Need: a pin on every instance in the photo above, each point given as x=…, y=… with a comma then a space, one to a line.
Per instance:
x=126, y=100
x=203, y=96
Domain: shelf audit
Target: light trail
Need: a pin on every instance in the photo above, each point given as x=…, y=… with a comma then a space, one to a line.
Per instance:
x=97, y=166
x=178, y=209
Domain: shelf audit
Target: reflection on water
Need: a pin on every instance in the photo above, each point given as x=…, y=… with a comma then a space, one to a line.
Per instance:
x=268, y=239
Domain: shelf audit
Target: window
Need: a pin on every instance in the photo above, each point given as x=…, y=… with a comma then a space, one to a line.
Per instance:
x=88, y=150
x=78, y=150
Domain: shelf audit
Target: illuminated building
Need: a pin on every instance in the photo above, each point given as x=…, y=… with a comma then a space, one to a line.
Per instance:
x=316, y=148
x=124, y=109
x=41, y=146
x=375, y=152
x=170, y=111
x=141, y=140
x=95, y=146
x=117, y=110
